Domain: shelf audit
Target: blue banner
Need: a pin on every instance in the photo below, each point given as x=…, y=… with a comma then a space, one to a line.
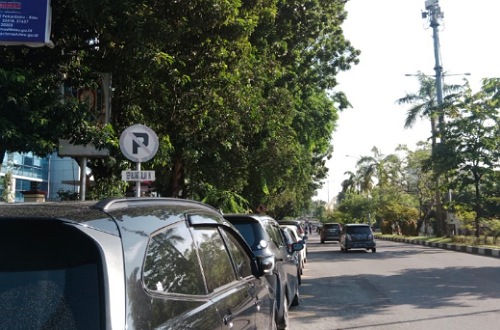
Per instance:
x=25, y=22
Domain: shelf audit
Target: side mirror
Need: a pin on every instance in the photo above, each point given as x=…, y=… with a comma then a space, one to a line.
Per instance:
x=297, y=246
x=266, y=265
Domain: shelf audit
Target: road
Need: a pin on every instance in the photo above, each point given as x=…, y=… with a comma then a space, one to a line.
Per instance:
x=401, y=286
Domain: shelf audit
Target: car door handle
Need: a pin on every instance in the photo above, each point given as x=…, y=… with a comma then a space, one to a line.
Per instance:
x=228, y=320
x=258, y=303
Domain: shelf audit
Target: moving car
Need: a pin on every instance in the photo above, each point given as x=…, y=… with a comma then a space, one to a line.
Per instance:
x=128, y=263
x=264, y=236
x=330, y=232
x=357, y=236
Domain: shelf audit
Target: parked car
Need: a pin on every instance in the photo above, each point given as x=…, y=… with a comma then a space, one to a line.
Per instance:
x=136, y=263
x=266, y=240
x=296, y=237
x=299, y=224
x=289, y=240
x=330, y=232
x=357, y=236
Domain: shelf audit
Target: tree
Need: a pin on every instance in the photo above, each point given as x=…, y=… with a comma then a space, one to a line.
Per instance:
x=420, y=182
x=237, y=92
x=33, y=117
x=425, y=105
x=472, y=142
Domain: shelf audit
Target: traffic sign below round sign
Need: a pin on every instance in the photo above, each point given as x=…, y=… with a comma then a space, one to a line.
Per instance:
x=139, y=143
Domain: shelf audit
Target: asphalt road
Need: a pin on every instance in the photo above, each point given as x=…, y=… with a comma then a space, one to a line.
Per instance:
x=401, y=286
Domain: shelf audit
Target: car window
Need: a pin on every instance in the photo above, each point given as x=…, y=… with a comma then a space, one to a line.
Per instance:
x=250, y=232
x=171, y=264
x=238, y=254
x=214, y=257
x=49, y=277
x=358, y=230
x=287, y=234
x=275, y=234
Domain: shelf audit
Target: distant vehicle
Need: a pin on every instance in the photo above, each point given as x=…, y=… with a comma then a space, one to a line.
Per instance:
x=137, y=263
x=330, y=232
x=298, y=239
x=357, y=236
x=267, y=242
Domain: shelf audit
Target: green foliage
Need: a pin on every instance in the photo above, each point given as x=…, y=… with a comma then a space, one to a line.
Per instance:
x=409, y=228
x=386, y=227
x=225, y=201
x=355, y=208
x=8, y=191
x=68, y=195
x=106, y=188
x=471, y=148
x=237, y=91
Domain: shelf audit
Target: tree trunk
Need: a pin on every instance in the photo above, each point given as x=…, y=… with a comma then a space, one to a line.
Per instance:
x=477, y=203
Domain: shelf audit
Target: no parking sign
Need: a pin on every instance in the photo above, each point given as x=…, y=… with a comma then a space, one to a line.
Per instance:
x=139, y=143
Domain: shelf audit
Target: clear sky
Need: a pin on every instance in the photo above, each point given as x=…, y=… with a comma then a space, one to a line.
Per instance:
x=395, y=40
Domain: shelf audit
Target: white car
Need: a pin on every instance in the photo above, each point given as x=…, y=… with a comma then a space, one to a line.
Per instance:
x=298, y=239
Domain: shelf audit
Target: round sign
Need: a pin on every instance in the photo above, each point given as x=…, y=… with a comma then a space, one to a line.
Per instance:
x=139, y=143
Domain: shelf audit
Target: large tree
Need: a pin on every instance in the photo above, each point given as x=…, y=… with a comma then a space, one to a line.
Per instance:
x=236, y=91
x=471, y=149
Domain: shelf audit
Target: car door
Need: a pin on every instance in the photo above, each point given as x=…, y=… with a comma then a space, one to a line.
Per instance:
x=262, y=294
x=233, y=298
x=287, y=260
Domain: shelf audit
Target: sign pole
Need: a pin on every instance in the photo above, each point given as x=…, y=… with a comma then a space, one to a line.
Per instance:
x=83, y=178
x=138, y=143
x=138, y=183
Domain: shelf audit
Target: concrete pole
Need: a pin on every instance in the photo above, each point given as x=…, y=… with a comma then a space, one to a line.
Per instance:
x=434, y=11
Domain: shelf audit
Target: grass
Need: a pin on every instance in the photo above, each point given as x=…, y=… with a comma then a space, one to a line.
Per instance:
x=484, y=242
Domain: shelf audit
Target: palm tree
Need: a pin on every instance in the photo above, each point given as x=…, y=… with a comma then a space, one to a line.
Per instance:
x=377, y=167
x=424, y=104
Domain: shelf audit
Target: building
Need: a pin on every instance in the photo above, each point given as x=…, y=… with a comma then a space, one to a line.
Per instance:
x=47, y=174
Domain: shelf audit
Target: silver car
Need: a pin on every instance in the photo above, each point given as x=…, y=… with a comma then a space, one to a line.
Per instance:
x=139, y=263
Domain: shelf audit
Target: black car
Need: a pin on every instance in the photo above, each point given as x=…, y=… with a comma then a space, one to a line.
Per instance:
x=138, y=263
x=330, y=232
x=265, y=238
x=357, y=236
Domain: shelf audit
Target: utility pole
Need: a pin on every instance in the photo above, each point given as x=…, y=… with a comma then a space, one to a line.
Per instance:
x=434, y=14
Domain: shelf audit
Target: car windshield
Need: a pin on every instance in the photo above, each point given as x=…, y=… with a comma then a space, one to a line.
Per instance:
x=358, y=230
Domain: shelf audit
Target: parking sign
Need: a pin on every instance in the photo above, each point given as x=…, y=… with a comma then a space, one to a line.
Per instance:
x=139, y=143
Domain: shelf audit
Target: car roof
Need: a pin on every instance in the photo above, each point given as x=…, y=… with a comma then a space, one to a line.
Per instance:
x=246, y=217
x=356, y=225
x=127, y=211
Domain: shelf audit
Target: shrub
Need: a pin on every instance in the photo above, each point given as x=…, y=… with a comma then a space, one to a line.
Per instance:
x=386, y=227
x=409, y=228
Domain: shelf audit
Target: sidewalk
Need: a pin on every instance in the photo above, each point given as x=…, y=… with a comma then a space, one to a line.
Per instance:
x=488, y=252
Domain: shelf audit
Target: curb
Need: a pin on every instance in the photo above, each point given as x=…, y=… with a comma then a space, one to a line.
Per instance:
x=487, y=252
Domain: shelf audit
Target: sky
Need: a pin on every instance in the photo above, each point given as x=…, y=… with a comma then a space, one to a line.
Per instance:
x=395, y=40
